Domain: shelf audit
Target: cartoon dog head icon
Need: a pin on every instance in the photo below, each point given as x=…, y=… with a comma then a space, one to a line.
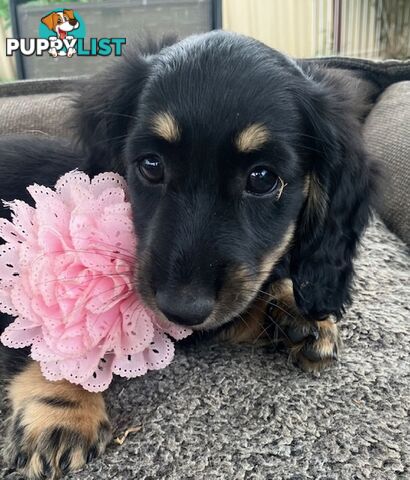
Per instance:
x=61, y=22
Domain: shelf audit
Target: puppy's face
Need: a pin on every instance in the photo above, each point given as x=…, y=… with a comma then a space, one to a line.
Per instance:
x=66, y=22
x=61, y=22
x=215, y=178
x=238, y=159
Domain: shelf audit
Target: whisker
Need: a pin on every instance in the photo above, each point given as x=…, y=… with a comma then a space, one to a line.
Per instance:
x=110, y=139
x=113, y=248
x=121, y=115
x=91, y=276
x=265, y=330
x=70, y=251
x=272, y=320
x=78, y=307
x=279, y=307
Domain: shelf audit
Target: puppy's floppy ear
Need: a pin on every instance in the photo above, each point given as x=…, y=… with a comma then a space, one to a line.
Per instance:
x=107, y=104
x=69, y=13
x=338, y=188
x=105, y=108
x=50, y=20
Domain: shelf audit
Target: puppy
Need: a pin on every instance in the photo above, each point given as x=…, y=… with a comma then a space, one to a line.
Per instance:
x=61, y=23
x=251, y=189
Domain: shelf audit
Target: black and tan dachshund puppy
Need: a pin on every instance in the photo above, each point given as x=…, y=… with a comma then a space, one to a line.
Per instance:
x=251, y=189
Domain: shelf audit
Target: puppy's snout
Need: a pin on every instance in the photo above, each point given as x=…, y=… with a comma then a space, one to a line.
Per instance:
x=185, y=307
x=73, y=22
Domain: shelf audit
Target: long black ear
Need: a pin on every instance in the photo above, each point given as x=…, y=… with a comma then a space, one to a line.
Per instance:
x=107, y=104
x=339, y=184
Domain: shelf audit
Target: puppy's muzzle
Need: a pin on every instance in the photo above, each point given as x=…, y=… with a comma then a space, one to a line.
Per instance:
x=185, y=305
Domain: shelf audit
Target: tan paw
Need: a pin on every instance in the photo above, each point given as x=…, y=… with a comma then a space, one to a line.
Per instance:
x=313, y=345
x=55, y=427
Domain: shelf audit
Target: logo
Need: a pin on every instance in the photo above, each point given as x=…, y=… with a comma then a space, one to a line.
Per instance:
x=62, y=33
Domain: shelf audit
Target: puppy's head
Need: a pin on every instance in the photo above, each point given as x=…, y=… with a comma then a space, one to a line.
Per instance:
x=61, y=22
x=236, y=162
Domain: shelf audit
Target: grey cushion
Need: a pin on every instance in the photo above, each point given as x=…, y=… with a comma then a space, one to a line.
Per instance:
x=225, y=413
x=387, y=134
x=38, y=114
x=34, y=87
x=37, y=107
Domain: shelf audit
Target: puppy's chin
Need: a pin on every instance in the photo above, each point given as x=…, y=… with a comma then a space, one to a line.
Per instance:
x=225, y=311
x=222, y=316
x=218, y=318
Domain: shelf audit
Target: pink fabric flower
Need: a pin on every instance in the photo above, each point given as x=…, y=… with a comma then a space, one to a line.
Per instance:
x=67, y=274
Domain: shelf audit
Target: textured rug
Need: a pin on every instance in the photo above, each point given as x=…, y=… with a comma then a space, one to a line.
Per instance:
x=232, y=413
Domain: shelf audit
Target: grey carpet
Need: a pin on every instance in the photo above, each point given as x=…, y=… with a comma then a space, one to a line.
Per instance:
x=239, y=413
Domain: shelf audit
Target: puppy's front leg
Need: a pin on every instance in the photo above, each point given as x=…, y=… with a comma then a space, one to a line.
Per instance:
x=55, y=427
x=274, y=318
x=312, y=344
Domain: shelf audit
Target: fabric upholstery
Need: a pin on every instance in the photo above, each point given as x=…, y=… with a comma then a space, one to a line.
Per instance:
x=382, y=72
x=38, y=114
x=34, y=87
x=37, y=106
x=387, y=134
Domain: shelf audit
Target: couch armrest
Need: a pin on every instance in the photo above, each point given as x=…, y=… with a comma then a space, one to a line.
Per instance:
x=387, y=136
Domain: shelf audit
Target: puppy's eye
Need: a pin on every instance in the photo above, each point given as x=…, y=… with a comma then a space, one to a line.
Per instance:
x=151, y=168
x=261, y=181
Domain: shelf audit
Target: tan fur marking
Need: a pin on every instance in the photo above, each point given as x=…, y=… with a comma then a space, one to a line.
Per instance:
x=244, y=277
x=286, y=320
x=283, y=291
x=273, y=257
x=30, y=385
x=46, y=411
x=317, y=199
x=36, y=466
x=77, y=460
x=251, y=328
x=252, y=138
x=247, y=330
x=328, y=332
x=165, y=125
x=306, y=186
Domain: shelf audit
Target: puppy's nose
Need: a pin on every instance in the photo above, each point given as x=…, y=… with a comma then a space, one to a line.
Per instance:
x=185, y=307
x=73, y=22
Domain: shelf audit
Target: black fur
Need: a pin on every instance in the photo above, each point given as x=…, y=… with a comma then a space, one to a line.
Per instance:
x=322, y=258
x=201, y=226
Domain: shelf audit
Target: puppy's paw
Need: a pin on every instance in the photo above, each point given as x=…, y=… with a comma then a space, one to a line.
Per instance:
x=313, y=345
x=55, y=427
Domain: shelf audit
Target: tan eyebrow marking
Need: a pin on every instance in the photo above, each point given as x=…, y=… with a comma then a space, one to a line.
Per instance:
x=165, y=125
x=252, y=137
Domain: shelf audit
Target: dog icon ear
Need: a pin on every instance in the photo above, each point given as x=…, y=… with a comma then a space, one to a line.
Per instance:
x=70, y=14
x=50, y=20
